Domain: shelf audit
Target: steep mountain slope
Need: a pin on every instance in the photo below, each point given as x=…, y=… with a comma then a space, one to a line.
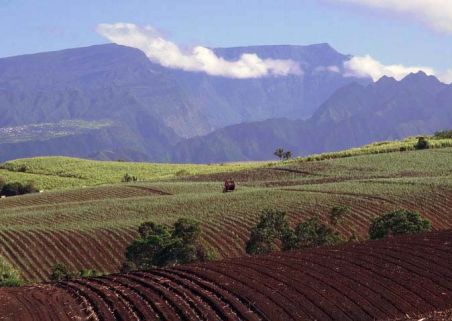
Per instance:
x=354, y=115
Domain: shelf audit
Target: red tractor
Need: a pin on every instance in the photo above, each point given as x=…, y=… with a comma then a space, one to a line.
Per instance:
x=229, y=186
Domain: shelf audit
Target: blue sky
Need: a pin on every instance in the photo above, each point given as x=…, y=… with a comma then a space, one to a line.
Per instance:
x=391, y=36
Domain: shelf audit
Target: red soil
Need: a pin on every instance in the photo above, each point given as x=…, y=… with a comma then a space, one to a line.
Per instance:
x=375, y=280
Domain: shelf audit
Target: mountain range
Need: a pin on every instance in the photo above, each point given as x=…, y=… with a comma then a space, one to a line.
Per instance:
x=112, y=102
x=354, y=115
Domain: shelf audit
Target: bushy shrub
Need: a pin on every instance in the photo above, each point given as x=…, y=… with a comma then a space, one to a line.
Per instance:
x=398, y=222
x=273, y=225
x=422, y=143
x=16, y=188
x=313, y=232
x=9, y=276
x=159, y=246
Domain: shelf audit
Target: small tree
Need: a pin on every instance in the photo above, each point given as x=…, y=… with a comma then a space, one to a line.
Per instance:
x=287, y=155
x=279, y=152
x=12, y=189
x=9, y=276
x=160, y=246
x=398, y=222
x=422, y=143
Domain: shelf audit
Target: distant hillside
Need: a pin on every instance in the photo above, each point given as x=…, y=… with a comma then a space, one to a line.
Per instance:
x=354, y=115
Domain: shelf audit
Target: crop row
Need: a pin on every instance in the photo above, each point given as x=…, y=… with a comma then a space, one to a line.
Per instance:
x=35, y=249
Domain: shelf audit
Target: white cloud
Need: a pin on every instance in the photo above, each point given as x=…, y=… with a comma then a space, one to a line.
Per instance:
x=366, y=66
x=435, y=13
x=446, y=76
x=168, y=54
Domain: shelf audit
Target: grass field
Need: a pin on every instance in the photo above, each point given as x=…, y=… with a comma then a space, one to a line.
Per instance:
x=89, y=227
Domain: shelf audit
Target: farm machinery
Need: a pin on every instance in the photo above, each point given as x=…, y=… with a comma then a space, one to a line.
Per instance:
x=229, y=186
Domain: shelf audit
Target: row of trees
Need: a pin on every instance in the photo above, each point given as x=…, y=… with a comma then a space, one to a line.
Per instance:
x=159, y=245
x=273, y=227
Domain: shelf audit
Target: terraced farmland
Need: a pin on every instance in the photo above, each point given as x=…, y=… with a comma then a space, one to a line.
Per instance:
x=375, y=280
x=90, y=227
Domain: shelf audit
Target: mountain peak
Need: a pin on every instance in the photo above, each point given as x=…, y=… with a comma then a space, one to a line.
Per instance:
x=420, y=78
x=420, y=75
x=385, y=80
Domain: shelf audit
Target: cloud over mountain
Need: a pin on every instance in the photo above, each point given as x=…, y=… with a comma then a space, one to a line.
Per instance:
x=367, y=66
x=199, y=58
x=435, y=13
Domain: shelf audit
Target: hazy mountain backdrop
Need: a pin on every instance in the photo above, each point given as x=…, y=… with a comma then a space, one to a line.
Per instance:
x=111, y=102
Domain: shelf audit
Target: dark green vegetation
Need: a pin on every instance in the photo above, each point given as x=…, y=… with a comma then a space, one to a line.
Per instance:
x=398, y=222
x=273, y=226
x=16, y=188
x=422, y=143
x=90, y=227
x=159, y=246
x=282, y=154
